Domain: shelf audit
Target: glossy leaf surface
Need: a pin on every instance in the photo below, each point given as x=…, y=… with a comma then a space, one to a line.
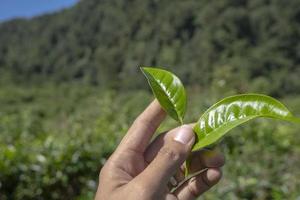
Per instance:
x=168, y=90
x=235, y=110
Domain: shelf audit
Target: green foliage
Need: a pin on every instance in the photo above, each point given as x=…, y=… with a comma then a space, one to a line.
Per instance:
x=263, y=163
x=220, y=118
x=56, y=131
x=233, y=111
x=54, y=140
x=102, y=43
x=261, y=157
x=168, y=90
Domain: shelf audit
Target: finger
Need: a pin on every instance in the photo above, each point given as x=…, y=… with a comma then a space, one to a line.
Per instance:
x=199, y=159
x=206, y=158
x=170, y=197
x=142, y=129
x=199, y=184
x=153, y=150
x=157, y=144
x=154, y=147
x=169, y=159
x=179, y=175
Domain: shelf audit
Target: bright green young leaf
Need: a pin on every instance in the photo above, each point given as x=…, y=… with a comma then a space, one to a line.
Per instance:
x=168, y=90
x=235, y=110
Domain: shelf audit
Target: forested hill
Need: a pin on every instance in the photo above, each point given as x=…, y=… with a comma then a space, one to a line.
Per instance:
x=104, y=41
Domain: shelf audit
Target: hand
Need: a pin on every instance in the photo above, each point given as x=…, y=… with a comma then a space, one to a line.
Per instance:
x=138, y=171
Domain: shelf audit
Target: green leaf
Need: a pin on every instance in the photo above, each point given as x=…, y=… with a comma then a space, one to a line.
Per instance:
x=235, y=110
x=168, y=90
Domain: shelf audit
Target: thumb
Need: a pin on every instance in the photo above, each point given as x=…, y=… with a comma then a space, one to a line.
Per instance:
x=169, y=158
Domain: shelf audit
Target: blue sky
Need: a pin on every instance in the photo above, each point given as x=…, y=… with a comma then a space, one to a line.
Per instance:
x=28, y=8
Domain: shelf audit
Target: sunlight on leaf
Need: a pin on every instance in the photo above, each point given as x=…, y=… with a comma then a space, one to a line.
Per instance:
x=168, y=90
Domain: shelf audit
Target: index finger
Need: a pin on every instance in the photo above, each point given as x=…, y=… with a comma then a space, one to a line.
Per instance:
x=142, y=129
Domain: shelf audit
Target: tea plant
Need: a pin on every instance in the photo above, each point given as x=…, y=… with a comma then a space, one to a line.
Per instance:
x=220, y=118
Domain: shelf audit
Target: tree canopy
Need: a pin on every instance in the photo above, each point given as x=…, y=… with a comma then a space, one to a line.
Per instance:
x=104, y=42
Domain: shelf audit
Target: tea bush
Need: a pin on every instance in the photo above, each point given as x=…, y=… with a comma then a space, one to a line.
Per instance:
x=54, y=140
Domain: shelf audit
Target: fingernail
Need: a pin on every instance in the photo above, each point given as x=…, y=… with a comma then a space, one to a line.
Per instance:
x=184, y=135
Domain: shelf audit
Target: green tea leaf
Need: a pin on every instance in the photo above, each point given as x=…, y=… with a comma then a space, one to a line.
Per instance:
x=168, y=90
x=235, y=110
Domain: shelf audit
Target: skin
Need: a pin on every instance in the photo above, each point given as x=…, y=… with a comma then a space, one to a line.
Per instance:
x=138, y=170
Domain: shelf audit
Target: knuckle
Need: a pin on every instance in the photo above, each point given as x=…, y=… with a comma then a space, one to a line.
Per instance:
x=171, y=153
x=102, y=172
x=145, y=123
x=106, y=169
x=142, y=190
x=194, y=188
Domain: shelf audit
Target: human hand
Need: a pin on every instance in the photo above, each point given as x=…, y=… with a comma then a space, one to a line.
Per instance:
x=138, y=170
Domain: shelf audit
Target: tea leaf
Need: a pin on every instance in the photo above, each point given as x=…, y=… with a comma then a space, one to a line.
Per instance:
x=168, y=90
x=235, y=110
